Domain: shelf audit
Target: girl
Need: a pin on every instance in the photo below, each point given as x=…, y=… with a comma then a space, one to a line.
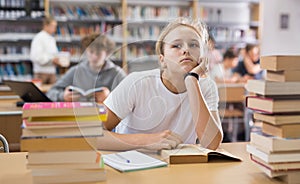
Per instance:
x=160, y=108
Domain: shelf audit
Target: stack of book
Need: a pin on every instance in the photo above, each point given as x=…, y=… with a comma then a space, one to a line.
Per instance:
x=277, y=105
x=61, y=140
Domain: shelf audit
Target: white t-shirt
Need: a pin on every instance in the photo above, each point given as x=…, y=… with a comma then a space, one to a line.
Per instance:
x=43, y=49
x=145, y=105
x=219, y=72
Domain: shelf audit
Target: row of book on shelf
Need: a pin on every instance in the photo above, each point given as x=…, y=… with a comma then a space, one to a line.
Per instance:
x=90, y=11
x=15, y=68
x=73, y=31
x=276, y=151
x=61, y=138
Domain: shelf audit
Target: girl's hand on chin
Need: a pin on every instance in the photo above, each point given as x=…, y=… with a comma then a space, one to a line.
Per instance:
x=202, y=67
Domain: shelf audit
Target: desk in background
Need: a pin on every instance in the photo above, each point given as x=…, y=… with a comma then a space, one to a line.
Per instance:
x=13, y=170
x=11, y=116
x=10, y=122
x=231, y=108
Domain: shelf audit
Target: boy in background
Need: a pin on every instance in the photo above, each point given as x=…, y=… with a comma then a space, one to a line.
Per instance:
x=95, y=70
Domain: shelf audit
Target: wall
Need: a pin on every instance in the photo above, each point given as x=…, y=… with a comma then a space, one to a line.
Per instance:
x=228, y=14
x=274, y=39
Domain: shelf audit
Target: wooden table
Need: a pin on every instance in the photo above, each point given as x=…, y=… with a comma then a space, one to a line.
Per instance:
x=13, y=171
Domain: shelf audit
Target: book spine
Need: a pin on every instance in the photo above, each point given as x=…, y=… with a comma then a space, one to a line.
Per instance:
x=59, y=144
x=57, y=105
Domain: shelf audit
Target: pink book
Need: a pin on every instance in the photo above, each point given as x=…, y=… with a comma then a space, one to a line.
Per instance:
x=50, y=109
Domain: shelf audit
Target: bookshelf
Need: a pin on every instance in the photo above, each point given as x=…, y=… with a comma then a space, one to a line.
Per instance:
x=145, y=20
x=78, y=18
x=224, y=24
x=20, y=20
x=133, y=24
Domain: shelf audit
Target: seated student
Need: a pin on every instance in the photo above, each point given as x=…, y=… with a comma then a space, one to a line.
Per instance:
x=95, y=70
x=160, y=108
x=223, y=71
x=249, y=68
x=214, y=55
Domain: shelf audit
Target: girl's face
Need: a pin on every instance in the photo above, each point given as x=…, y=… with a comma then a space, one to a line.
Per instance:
x=96, y=57
x=182, y=49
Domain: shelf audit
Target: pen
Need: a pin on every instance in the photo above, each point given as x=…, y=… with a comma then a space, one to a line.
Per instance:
x=123, y=158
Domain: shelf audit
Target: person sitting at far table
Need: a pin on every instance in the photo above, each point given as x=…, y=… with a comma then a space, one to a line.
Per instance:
x=94, y=70
x=222, y=73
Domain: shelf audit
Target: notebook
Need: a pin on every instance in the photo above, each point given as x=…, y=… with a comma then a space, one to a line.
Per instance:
x=27, y=91
x=132, y=161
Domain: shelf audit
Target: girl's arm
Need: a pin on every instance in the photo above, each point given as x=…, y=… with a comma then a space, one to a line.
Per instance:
x=208, y=124
x=114, y=141
x=250, y=66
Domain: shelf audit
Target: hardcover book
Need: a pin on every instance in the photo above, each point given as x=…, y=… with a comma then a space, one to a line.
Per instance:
x=278, y=119
x=277, y=63
x=59, y=144
x=273, y=105
x=190, y=153
x=290, y=177
x=268, y=88
x=48, y=109
x=64, y=157
x=283, y=131
x=277, y=167
x=283, y=76
x=63, y=121
x=274, y=157
x=68, y=175
x=62, y=132
x=268, y=143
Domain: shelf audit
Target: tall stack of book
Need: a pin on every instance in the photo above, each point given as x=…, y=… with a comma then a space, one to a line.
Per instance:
x=61, y=139
x=277, y=104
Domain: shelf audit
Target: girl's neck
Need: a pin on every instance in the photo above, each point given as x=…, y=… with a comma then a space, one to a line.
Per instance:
x=172, y=83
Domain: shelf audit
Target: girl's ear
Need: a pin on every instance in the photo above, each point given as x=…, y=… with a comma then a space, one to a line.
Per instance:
x=162, y=61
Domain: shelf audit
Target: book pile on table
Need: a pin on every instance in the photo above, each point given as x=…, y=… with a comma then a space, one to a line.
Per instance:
x=276, y=151
x=61, y=138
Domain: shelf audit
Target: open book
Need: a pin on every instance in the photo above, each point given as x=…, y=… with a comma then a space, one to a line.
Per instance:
x=132, y=161
x=195, y=153
x=87, y=93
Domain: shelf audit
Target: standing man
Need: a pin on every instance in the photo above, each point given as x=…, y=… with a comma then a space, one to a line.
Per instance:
x=43, y=52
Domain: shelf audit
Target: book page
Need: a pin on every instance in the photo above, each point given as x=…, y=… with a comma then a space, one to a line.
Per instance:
x=191, y=149
x=64, y=58
x=86, y=93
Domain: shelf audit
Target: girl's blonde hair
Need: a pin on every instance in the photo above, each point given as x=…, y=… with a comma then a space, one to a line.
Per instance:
x=195, y=24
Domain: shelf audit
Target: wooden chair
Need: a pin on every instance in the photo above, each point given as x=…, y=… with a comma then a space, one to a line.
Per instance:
x=231, y=98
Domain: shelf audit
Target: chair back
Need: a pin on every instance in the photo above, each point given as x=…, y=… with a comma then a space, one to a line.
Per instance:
x=5, y=147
